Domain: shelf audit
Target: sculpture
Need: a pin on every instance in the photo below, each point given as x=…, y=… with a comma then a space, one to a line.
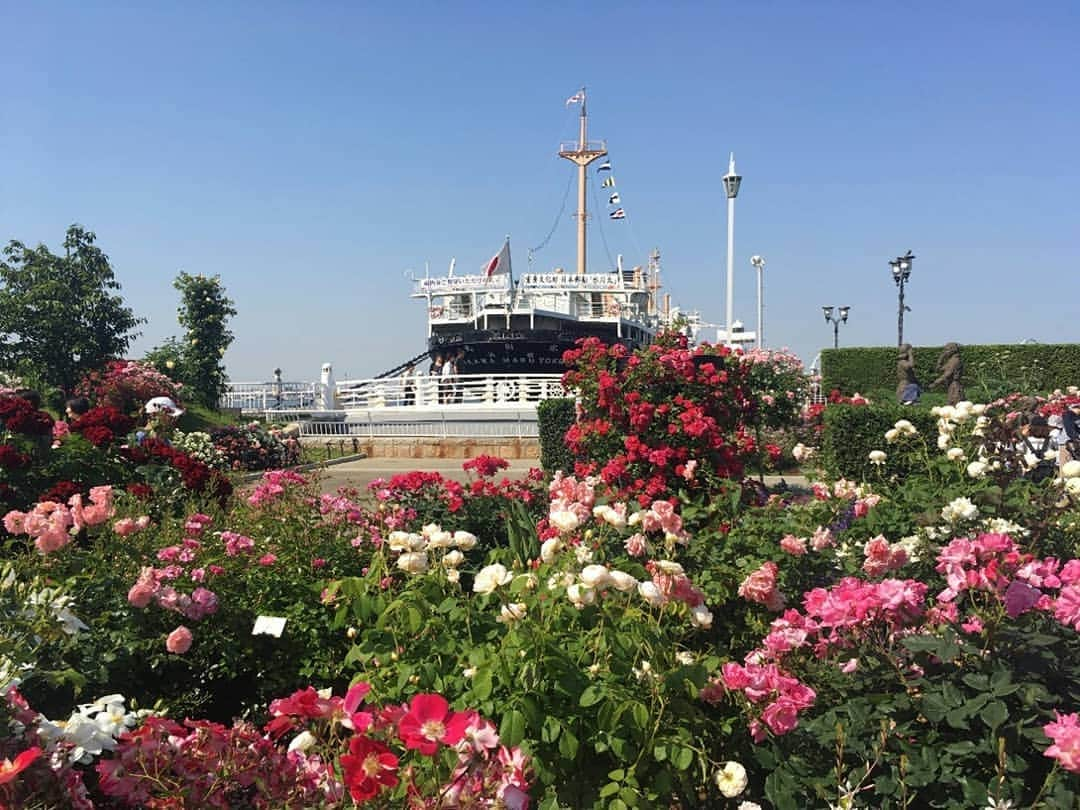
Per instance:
x=951, y=368
x=907, y=384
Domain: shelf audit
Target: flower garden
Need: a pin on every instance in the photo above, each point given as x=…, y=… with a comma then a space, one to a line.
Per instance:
x=650, y=627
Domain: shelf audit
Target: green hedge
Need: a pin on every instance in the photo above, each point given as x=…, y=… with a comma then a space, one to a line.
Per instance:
x=554, y=418
x=990, y=370
x=852, y=431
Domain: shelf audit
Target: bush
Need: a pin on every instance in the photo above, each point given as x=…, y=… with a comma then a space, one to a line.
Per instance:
x=852, y=432
x=555, y=417
x=126, y=385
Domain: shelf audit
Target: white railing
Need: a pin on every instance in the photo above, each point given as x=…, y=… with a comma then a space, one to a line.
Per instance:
x=270, y=396
x=486, y=392
x=463, y=391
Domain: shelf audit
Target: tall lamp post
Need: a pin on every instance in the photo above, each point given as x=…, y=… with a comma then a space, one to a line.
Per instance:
x=836, y=316
x=759, y=264
x=901, y=270
x=731, y=186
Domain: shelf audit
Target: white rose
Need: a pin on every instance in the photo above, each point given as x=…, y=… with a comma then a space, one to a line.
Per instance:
x=398, y=541
x=464, y=540
x=549, y=548
x=469, y=672
x=583, y=554
x=440, y=540
x=302, y=741
x=943, y=440
x=955, y=453
x=580, y=596
x=512, y=612
x=976, y=469
x=701, y=616
x=490, y=578
x=1072, y=486
x=891, y=434
x=453, y=575
x=978, y=408
x=595, y=576
x=430, y=529
x=414, y=562
x=877, y=456
x=685, y=658
x=669, y=567
x=622, y=581
x=1070, y=469
x=650, y=593
x=564, y=520
x=731, y=779
x=452, y=559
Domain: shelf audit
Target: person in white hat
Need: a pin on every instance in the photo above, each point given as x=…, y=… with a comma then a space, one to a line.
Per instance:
x=161, y=415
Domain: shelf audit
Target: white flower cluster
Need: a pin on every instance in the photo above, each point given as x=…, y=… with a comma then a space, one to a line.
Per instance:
x=200, y=447
x=50, y=601
x=950, y=417
x=958, y=510
x=898, y=431
x=414, y=549
x=801, y=452
x=91, y=729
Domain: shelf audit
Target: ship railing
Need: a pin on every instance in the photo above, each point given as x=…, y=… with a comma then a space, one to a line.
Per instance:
x=255, y=397
x=486, y=391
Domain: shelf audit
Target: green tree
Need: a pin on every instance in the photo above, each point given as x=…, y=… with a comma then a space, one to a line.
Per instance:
x=204, y=311
x=59, y=315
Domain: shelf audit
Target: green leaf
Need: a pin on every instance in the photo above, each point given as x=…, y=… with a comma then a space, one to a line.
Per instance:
x=933, y=706
x=610, y=789
x=591, y=696
x=568, y=744
x=682, y=757
x=640, y=715
x=995, y=713
x=512, y=728
x=481, y=684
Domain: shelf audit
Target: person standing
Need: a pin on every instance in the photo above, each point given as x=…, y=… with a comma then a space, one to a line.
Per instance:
x=446, y=388
x=408, y=384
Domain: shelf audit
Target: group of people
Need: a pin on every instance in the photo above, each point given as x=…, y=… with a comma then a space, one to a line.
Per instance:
x=444, y=371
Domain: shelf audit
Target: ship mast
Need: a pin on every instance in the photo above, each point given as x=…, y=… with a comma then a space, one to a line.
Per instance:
x=582, y=154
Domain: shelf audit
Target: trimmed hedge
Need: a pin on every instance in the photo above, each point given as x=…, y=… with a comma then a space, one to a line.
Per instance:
x=554, y=418
x=852, y=431
x=990, y=370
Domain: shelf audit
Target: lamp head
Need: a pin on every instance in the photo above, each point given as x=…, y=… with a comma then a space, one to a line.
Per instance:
x=758, y=262
x=844, y=313
x=828, y=311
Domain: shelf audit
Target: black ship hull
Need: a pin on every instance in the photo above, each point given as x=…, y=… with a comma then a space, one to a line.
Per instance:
x=506, y=351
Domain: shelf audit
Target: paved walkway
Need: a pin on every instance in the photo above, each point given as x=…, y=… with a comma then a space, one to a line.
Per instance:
x=362, y=472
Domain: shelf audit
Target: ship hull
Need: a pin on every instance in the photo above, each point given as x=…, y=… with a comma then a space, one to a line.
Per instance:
x=507, y=351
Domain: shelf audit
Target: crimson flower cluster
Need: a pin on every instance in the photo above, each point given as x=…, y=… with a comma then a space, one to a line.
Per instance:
x=126, y=385
x=102, y=425
x=17, y=415
x=196, y=476
x=666, y=418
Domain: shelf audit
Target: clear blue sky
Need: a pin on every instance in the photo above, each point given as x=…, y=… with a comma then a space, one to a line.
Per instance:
x=310, y=153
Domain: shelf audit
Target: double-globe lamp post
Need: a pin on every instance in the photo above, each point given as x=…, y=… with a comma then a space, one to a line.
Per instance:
x=901, y=270
x=836, y=316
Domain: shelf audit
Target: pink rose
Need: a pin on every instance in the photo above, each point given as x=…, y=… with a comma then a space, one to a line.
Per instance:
x=179, y=641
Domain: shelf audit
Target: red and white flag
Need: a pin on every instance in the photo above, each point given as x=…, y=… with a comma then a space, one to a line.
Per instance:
x=500, y=262
x=577, y=98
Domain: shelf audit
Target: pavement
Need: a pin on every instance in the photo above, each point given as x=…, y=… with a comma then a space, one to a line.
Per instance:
x=361, y=472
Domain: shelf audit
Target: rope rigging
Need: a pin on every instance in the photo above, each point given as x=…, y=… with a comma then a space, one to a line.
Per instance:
x=401, y=366
x=558, y=218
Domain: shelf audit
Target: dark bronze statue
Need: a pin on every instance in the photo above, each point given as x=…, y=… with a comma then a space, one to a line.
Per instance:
x=951, y=368
x=907, y=384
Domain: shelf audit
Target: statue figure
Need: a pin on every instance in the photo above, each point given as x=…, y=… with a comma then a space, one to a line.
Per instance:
x=907, y=385
x=951, y=368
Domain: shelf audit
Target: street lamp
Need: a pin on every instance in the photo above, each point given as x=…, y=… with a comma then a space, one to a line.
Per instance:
x=731, y=186
x=759, y=264
x=836, y=316
x=901, y=270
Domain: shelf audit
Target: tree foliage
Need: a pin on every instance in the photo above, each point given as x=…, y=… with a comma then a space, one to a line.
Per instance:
x=61, y=316
x=196, y=360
